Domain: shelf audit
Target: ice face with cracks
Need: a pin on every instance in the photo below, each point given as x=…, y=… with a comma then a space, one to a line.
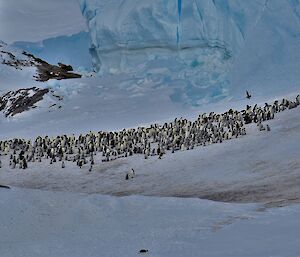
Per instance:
x=220, y=55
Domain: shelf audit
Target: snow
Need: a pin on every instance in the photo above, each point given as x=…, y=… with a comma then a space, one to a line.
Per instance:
x=258, y=167
x=35, y=223
x=53, y=30
x=25, y=20
x=12, y=78
x=114, y=102
x=153, y=68
x=72, y=223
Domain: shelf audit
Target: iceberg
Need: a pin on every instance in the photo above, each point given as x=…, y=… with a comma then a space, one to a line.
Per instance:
x=151, y=29
x=203, y=48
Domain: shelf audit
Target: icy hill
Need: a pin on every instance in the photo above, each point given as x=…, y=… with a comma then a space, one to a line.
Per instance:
x=201, y=48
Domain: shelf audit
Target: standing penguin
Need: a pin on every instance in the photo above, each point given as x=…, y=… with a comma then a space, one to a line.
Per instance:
x=132, y=173
x=24, y=164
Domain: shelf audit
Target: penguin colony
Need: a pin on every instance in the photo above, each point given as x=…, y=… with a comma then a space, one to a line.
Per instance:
x=156, y=140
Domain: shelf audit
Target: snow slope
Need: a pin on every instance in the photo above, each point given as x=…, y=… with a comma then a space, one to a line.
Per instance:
x=53, y=30
x=29, y=20
x=259, y=167
x=40, y=223
x=13, y=77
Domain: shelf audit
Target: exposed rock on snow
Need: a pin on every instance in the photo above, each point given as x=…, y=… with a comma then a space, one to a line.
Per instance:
x=10, y=59
x=14, y=102
x=48, y=71
x=21, y=100
x=45, y=71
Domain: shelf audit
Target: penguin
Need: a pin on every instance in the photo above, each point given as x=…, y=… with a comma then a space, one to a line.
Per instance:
x=130, y=174
x=133, y=172
x=24, y=164
x=153, y=140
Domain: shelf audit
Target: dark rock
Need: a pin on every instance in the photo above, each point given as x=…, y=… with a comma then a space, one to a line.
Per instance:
x=65, y=67
x=45, y=71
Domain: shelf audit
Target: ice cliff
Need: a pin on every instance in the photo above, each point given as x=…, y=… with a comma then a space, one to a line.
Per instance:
x=202, y=46
x=133, y=26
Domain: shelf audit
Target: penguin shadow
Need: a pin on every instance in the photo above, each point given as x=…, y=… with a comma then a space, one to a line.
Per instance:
x=143, y=251
x=5, y=187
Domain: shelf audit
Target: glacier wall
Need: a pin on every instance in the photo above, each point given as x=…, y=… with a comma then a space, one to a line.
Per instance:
x=130, y=26
x=197, y=46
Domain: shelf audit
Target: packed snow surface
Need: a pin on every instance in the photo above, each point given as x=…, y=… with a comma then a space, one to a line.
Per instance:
x=39, y=223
